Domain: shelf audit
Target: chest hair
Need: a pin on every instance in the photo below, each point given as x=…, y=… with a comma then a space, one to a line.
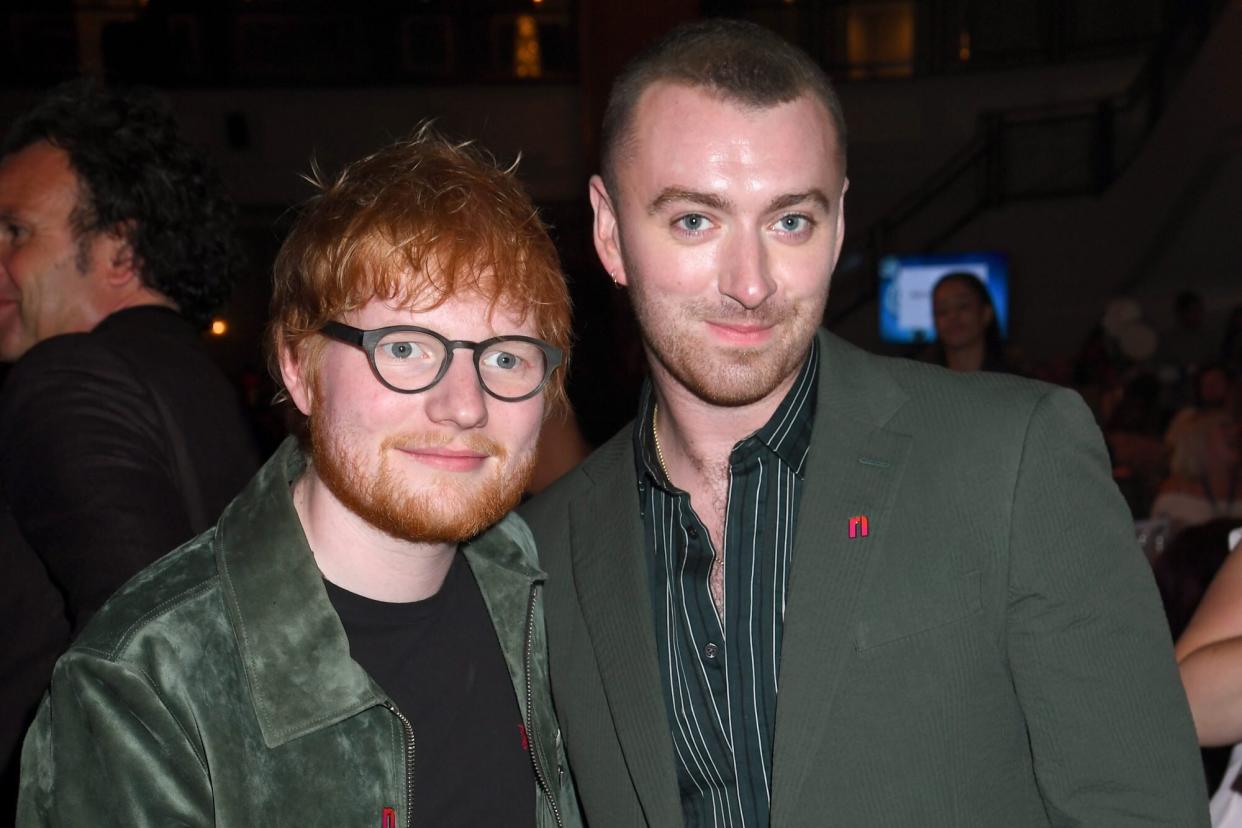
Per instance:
x=711, y=504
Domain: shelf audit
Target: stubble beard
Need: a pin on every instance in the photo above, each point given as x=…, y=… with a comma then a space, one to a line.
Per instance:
x=25, y=326
x=447, y=510
x=725, y=377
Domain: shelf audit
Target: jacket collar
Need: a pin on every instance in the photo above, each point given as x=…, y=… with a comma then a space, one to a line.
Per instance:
x=853, y=465
x=292, y=644
x=293, y=647
x=854, y=384
x=508, y=549
x=848, y=510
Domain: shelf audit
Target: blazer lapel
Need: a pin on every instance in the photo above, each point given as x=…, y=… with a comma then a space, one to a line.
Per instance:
x=852, y=472
x=612, y=582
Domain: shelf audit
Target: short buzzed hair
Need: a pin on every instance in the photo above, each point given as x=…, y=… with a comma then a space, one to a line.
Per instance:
x=737, y=60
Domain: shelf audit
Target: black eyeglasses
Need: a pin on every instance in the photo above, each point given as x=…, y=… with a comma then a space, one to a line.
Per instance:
x=407, y=359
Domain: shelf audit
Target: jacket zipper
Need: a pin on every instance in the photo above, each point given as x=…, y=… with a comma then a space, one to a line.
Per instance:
x=409, y=762
x=530, y=708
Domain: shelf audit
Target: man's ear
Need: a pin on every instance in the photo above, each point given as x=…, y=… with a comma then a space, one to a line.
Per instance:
x=297, y=377
x=606, y=232
x=845, y=185
x=114, y=256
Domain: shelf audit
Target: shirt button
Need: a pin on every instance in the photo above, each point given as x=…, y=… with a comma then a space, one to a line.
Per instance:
x=709, y=651
x=692, y=533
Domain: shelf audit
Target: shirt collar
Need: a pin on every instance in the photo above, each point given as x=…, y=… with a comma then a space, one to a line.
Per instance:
x=646, y=459
x=787, y=433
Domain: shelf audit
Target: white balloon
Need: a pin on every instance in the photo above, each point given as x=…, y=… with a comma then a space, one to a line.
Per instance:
x=1121, y=312
x=1137, y=341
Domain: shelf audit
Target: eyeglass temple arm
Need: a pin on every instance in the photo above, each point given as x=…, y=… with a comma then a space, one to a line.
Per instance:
x=344, y=333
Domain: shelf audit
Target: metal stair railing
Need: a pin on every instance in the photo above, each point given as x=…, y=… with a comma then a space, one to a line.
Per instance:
x=1054, y=151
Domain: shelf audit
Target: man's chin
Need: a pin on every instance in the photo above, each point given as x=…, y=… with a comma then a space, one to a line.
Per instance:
x=13, y=346
x=725, y=395
x=413, y=502
x=447, y=511
x=445, y=507
x=742, y=380
x=462, y=524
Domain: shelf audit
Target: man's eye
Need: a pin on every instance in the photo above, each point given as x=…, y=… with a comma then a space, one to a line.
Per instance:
x=400, y=350
x=692, y=223
x=502, y=360
x=794, y=223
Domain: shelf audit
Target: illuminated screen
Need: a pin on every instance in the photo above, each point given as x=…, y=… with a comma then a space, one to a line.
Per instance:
x=906, y=284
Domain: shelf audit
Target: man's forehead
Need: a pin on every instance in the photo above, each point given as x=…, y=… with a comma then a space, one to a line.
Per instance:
x=694, y=138
x=428, y=306
x=663, y=104
x=39, y=158
x=37, y=174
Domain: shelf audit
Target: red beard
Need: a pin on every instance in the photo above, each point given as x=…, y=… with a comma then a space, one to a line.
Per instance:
x=446, y=511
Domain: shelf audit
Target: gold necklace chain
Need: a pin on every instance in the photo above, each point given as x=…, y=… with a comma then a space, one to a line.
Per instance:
x=655, y=435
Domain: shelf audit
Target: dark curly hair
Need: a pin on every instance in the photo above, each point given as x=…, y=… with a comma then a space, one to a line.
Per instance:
x=137, y=175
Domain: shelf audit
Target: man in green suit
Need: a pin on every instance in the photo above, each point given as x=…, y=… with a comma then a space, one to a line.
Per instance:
x=808, y=585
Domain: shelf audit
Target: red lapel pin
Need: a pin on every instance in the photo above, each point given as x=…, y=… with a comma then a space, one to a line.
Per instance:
x=858, y=526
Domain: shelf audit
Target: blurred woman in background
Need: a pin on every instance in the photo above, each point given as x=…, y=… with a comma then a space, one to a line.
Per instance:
x=1204, y=471
x=968, y=335
x=1213, y=389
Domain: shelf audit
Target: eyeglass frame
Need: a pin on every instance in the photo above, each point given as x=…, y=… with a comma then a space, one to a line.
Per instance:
x=367, y=340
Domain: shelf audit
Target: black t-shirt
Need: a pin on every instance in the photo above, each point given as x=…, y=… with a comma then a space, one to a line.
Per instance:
x=441, y=663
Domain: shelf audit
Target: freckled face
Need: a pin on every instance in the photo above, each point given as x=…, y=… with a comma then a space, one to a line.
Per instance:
x=437, y=466
x=726, y=227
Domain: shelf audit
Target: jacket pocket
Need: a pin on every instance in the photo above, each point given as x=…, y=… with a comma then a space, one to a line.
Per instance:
x=923, y=610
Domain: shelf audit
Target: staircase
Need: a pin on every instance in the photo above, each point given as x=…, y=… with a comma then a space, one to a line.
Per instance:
x=1120, y=194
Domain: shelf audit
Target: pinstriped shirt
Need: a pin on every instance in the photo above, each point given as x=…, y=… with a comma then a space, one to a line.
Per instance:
x=719, y=675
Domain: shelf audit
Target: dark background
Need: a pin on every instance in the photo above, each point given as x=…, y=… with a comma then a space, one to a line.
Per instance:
x=1096, y=142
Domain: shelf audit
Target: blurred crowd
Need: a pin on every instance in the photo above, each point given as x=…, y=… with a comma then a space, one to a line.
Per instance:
x=1170, y=407
x=1170, y=418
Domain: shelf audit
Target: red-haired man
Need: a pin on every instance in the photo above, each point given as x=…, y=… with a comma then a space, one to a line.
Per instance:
x=352, y=644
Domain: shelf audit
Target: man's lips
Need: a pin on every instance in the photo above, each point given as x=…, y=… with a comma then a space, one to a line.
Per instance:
x=446, y=458
x=742, y=333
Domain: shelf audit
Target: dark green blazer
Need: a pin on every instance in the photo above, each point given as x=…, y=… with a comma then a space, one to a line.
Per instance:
x=991, y=653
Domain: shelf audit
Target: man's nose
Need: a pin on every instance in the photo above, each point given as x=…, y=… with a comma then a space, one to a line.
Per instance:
x=746, y=273
x=458, y=398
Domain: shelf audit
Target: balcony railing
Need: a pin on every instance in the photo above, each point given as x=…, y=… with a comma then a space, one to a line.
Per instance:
x=1054, y=151
x=856, y=39
x=269, y=42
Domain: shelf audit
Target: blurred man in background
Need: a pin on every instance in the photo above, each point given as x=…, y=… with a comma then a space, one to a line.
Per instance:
x=119, y=438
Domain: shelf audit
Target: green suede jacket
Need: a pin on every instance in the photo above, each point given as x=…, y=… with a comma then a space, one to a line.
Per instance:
x=216, y=687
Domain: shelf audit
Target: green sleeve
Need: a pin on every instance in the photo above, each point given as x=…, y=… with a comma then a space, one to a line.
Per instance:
x=1088, y=647
x=105, y=750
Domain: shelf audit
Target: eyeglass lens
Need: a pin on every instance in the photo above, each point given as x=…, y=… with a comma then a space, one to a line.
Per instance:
x=410, y=360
